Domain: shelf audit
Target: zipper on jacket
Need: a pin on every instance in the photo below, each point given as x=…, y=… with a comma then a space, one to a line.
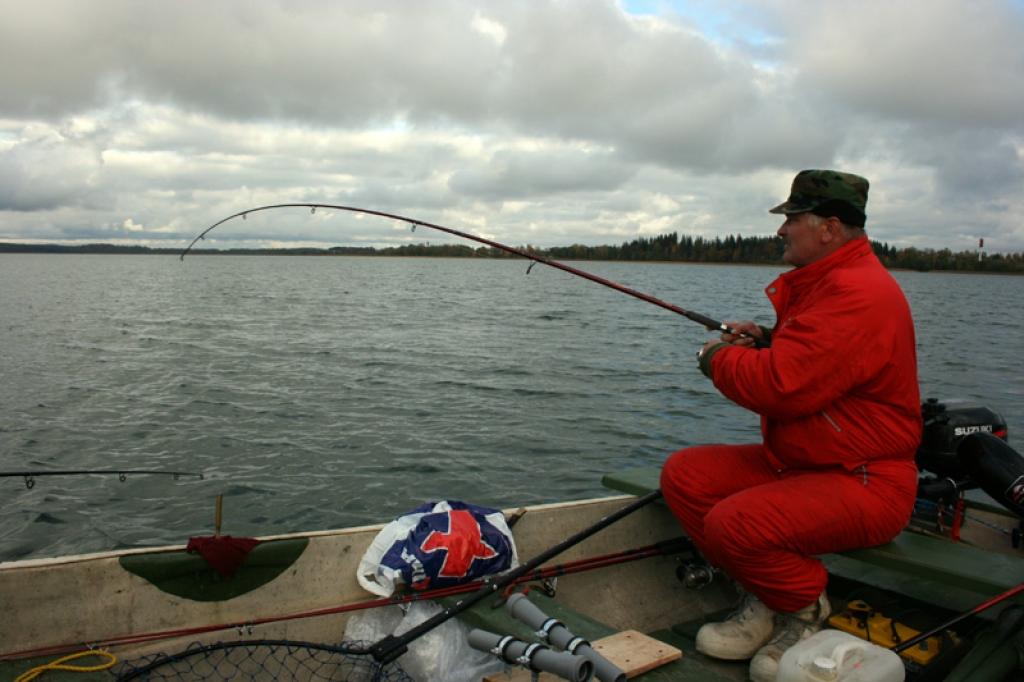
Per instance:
x=831, y=421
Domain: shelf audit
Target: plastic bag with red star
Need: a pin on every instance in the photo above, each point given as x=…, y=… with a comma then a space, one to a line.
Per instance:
x=438, y=544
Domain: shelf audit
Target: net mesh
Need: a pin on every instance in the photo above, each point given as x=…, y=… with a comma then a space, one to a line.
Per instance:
x=263, y=660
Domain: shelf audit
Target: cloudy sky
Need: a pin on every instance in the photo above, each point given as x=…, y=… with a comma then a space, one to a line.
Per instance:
x=545, y=122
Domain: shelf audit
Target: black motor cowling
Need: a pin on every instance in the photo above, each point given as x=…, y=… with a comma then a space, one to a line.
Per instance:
x=965, y=447
x=946, y=424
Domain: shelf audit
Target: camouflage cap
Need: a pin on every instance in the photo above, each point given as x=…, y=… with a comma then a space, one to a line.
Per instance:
x=827, y=193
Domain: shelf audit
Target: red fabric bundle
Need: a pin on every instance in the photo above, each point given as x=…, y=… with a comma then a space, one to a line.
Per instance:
x=224, y=553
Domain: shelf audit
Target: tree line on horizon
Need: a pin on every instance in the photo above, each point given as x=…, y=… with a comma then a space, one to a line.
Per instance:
x=666, y=247
x=764, y=250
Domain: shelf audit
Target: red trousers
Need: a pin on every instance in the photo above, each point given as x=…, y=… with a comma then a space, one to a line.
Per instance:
x=763, y=527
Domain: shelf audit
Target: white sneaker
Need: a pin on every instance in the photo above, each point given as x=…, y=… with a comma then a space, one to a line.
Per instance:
x=739, y=636
x=792, y=628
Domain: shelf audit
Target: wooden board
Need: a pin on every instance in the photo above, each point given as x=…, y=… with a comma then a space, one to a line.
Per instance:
x=634, y=652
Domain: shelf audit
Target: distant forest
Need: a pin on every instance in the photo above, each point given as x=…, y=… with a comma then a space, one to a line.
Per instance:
x=666, y=247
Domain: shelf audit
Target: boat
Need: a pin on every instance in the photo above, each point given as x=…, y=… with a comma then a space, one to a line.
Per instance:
x=165, y=613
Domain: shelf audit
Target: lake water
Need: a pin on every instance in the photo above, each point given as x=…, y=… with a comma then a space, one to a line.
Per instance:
x=316, y=393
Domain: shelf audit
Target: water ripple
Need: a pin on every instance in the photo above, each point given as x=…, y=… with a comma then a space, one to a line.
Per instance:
x=321, y=392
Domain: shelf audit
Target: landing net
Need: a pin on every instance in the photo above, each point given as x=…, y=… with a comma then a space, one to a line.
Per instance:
x=263, y=660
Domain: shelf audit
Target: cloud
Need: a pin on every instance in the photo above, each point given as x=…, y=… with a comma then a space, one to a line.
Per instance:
x=944, y=62
x=518, y=174
x=576, y=70
x=541, y=121
x=46, y=168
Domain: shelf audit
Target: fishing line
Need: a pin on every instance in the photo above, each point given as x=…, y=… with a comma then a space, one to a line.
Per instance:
x=707, y=322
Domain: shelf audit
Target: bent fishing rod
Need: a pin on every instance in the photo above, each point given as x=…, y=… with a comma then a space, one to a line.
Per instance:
x=536, y=258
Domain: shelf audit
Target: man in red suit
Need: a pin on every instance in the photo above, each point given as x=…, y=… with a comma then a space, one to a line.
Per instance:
x=835, y=384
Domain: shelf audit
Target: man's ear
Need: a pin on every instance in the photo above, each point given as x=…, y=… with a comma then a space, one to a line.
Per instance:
x=832, y=230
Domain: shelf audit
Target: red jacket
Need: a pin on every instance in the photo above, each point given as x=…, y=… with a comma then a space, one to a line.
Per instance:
x=839, y=383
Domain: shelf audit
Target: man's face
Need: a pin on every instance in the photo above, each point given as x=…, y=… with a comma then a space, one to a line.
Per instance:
x=803, y=236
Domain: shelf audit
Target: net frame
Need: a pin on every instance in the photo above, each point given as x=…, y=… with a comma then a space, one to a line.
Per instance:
x=264, y=659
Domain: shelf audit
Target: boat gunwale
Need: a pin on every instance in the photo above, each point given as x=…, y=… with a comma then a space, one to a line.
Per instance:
x=45, y=562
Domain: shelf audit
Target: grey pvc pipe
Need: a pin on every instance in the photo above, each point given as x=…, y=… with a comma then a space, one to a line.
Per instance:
x=534, y=656
x=561, y=637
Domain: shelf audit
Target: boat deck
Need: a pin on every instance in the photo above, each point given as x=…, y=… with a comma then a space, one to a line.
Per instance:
x=923, y=580
x=692, y=667
x=929, y=578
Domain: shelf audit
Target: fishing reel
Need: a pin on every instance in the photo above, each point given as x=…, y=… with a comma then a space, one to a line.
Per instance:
x=964, y=447
x=695, y=575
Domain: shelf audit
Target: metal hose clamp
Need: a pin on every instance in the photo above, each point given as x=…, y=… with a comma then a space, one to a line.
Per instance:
x=526, y=659
x=575, y=643
x=499, y=648
x=545, y=628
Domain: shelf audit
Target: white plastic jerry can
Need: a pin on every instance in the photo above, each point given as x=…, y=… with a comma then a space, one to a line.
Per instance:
x=837, y=656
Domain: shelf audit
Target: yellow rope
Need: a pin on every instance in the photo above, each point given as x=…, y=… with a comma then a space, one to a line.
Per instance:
x=59, y=665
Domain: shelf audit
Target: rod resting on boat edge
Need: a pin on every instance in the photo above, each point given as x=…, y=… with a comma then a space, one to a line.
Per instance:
x=122, y=474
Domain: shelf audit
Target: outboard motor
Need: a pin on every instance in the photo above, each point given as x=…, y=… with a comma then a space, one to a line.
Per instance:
x=945, y=426
x=996, y=467
x=965, y=447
